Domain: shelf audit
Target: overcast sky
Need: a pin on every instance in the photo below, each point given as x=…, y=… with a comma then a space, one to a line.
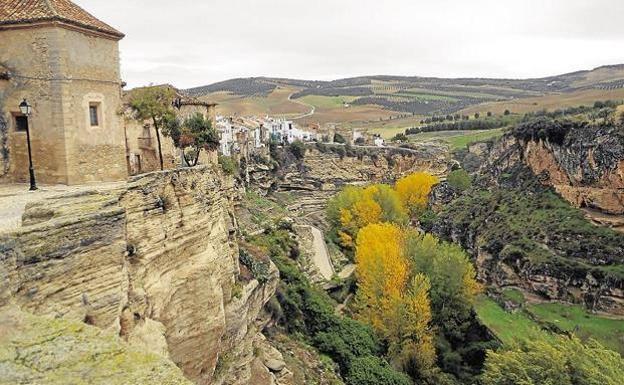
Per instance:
x=192, y=43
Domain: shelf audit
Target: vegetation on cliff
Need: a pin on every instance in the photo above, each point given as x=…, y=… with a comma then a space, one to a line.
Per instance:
x=303, y=309
x=40, y=350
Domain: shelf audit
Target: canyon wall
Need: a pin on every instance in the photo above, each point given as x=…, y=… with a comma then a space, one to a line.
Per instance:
x=325, y=169
x=154, y=261
x=586, y=168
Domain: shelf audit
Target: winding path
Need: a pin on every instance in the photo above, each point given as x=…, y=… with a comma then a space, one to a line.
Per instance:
x=312, y=111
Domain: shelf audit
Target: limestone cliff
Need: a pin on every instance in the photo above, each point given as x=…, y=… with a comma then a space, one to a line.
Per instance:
x=521, y=234
x=325, y=169
x=41, y=350
x=154, y=261
x=586, y=167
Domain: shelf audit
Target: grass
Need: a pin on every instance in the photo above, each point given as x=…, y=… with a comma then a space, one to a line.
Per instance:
x=327, y=101
x=508, y=327
x=533, y=321
x=462, y=141
x=575, y=318
x=513, y=295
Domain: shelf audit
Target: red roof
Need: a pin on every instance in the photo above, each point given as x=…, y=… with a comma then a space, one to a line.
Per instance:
x=20, y=12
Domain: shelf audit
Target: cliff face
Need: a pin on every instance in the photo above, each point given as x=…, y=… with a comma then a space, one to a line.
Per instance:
x=521, y=234
x=325, y=170
x=586, y=168
x=40, y=350
x=155, y=261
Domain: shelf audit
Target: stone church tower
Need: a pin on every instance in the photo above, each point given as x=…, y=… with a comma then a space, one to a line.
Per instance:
x=65, y=63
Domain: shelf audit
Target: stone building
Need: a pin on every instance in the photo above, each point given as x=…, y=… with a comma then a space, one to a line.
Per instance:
x=141, y=142
x=65, y=62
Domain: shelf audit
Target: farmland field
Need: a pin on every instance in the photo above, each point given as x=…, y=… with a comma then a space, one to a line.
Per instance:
x=387, y=104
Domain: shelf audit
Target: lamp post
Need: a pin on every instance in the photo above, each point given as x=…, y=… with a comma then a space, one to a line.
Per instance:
x=26, y=110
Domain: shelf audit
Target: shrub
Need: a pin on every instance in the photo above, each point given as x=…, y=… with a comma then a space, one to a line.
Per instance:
x=370, y=370
x=228, y=165
x=459, y=180
x=339, y=138
x=297, y=148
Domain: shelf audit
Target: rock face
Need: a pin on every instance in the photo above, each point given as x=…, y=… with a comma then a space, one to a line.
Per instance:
x=586, y=169
x=40, y=350
x=324, y=171
x=155, y=261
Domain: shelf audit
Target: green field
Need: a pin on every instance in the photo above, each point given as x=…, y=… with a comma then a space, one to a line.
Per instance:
x=541, y=320
x=508, y=327
x=457, y=139
x=327, y=101
x=574, y=318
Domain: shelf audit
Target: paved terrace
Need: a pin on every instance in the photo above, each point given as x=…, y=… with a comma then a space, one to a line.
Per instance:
x=15, y=197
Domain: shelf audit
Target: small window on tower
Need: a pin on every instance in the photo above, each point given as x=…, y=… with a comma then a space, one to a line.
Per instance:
x=94, y=114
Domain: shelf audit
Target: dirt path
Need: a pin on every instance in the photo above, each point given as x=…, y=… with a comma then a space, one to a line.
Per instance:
x=320, y=254
x=312, y=111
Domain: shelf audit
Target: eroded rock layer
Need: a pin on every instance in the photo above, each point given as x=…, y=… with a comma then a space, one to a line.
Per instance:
x=155, y=261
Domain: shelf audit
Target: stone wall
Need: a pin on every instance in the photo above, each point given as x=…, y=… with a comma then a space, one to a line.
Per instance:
x=154, y=261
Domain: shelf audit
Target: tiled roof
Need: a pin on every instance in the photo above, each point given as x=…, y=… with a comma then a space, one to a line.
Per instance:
x=14, y=12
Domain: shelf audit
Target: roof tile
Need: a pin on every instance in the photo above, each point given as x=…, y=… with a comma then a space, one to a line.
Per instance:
x=31, y=11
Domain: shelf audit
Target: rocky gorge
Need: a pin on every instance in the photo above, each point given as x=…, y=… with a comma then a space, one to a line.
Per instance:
x=527, y=220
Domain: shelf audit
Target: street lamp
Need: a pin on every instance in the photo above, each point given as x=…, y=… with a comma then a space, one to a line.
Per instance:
x=26, y=110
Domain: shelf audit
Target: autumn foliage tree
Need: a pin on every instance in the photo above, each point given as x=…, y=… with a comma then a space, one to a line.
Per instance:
x=414, y=191
x=357, y=207
x=395, y=303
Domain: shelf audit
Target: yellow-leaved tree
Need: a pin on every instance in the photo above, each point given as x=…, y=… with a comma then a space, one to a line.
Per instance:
x=396, y=305
x=414, y=191
x=357, y=207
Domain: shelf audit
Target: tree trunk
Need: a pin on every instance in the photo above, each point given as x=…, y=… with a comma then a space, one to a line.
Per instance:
x=160, y=156
x=197, y=157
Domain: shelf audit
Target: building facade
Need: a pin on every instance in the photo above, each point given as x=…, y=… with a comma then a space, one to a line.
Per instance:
x=65, y=63
x=141, y=142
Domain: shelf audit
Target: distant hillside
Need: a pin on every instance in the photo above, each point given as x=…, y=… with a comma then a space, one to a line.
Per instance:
x=398, y=100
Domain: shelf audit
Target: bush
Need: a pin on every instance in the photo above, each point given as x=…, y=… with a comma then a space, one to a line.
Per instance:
x=228, y=165
x=459, y=180
x=297, y=148
x=339, y=138
x=370, y=370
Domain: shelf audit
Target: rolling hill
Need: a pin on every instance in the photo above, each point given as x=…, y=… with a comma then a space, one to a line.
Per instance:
x=394, y=102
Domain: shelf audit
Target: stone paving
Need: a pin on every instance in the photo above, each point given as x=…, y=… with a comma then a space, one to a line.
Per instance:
x=14, y=197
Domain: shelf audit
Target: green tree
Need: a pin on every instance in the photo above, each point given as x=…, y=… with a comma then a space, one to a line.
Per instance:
x=507, y=112
x=297, y=148
x=459, y=180
x=192, y=135
x=400, y=137
x=560, y=361
x=154, y=104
